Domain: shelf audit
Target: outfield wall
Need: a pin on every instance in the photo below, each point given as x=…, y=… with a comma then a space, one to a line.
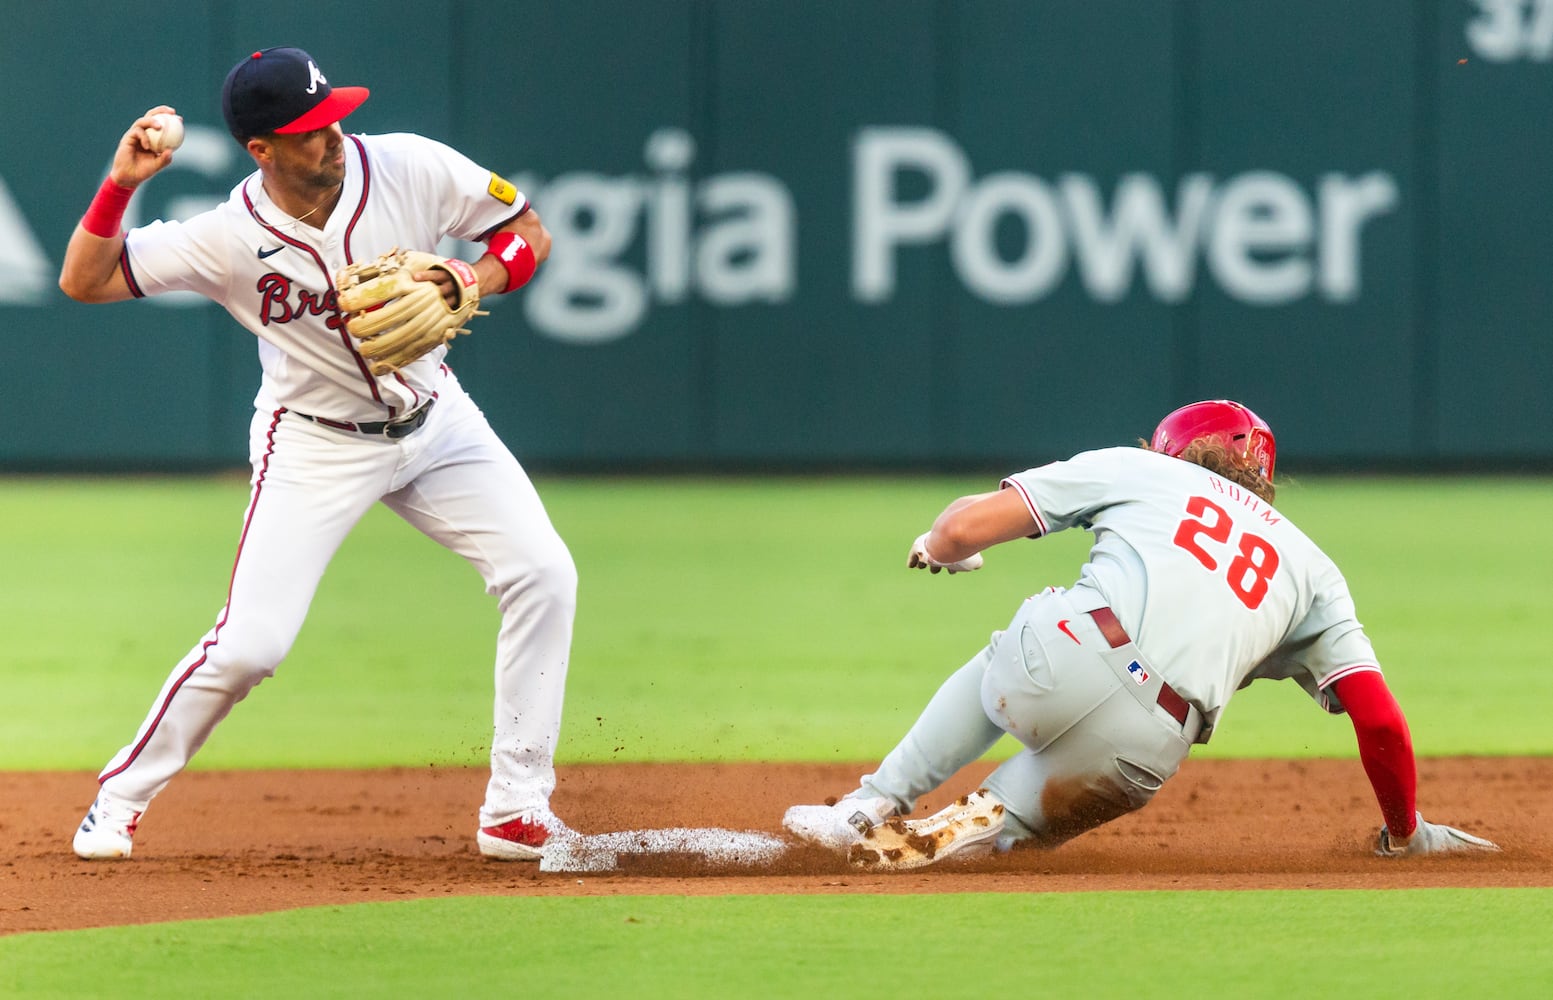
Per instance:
x=805, y=232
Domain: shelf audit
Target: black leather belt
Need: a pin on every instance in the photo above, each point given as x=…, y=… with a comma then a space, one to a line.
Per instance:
x=1117, y=636
x=396, y=428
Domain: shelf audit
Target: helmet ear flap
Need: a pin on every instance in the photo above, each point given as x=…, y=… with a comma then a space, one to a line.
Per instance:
x=1261, y=446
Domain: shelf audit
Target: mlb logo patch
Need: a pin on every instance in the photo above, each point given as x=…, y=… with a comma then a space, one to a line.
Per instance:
x=1139, y=675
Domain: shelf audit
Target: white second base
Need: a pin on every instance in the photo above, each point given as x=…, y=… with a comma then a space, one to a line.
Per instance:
x=601, y=852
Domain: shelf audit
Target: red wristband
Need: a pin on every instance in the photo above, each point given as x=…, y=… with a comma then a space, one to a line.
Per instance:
x=516, y=256
x=107, y=210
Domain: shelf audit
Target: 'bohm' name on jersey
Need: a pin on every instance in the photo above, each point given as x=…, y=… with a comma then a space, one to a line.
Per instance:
x=1244, y=497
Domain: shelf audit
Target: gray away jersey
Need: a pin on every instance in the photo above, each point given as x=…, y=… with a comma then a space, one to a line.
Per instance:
x=1215, y=586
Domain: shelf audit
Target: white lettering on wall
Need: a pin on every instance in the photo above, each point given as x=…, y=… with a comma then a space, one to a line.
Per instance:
x=880, y=221
x=1138, y=226
x=662, y=237
x=28, y=274
x=730, y=238
x=1264, y=239
x=1509, y=30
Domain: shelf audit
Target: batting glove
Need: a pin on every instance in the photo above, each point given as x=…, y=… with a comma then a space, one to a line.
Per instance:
x=1431, y=838
x=920, y=558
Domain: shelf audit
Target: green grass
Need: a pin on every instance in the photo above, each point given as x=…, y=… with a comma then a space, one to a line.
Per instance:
x=1402, y=944
x=741, y=619
x=718, y=620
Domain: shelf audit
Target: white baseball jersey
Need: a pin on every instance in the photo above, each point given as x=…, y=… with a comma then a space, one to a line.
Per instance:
x=275, y=275
x=1215, y=586
x=450, y=476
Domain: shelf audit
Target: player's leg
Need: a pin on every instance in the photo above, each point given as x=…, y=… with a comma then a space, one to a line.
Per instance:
x=1079, y=781
x=471, y=495
x=957, y=727
x=951, y=732
x=310, y=485
x=1093, y=752
x=1109, y=764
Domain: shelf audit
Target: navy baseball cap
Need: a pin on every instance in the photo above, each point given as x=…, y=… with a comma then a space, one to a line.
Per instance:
x=281, y=90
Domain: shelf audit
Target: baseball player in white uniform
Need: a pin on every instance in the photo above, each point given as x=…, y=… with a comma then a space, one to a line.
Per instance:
x=1195, y=587
x=328, y=439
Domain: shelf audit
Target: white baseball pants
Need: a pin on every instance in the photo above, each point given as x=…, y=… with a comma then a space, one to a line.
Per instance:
x=456, y=482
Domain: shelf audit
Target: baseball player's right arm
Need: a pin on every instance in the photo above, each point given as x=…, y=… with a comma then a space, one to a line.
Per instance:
x=1385, y=745
x=966, y=527
x=91, y=269
x=1386, y=751
x=974, y=523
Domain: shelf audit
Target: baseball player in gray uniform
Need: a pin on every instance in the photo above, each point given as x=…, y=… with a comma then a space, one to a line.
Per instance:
x=1196, y=586
x=329, y=439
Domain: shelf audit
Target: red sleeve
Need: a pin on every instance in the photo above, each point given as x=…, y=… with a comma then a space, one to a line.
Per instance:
x=1385, y=746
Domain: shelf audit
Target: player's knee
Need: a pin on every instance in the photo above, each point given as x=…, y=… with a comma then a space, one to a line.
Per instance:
x=250, y=655
x=557, y=579
x=551, y=582
x=1138, y=783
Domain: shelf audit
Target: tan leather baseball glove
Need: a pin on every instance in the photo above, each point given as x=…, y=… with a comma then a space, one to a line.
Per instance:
x=396, y=319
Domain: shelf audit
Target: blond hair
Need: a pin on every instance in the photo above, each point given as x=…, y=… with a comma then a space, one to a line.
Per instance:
x=1221, y=460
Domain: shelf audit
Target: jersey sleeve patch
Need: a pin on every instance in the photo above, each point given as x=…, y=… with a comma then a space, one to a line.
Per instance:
x=502, y=189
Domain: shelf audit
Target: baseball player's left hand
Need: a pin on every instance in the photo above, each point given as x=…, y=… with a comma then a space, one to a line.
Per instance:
x=920, y=559
x=398, y=309
x=446, y=284
x=1431, y=838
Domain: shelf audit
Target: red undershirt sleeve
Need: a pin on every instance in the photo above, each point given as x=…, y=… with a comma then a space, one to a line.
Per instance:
x=1385, y=746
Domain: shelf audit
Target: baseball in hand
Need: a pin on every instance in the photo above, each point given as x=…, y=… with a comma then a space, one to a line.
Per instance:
x=165, y=134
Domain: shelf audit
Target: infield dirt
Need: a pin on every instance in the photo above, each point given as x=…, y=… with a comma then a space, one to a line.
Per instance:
x=239, y=842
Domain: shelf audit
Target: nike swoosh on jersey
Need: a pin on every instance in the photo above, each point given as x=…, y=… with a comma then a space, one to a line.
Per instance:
x=1062, y=625
x=270, y=252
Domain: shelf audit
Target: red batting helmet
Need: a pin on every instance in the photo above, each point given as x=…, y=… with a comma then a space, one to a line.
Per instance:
x=1224, y=420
